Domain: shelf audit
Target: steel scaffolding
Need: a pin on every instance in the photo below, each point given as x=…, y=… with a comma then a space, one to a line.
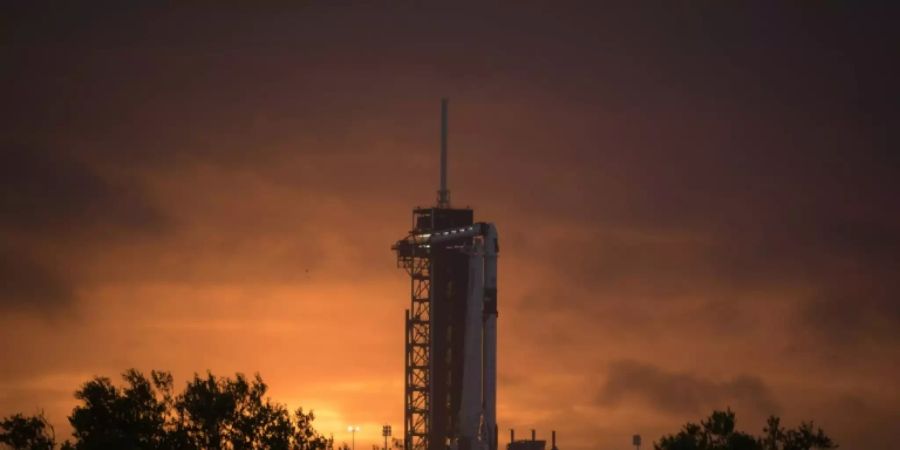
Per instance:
x=417, y=398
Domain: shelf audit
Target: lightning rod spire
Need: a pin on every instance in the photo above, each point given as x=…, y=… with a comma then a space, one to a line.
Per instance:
x=444, y=193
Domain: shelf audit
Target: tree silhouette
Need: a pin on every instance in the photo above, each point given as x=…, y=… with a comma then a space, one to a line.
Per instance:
x=717, y=432
x=223, y=413
x=804, y=437
x=133, y=417
x=212, y=413
x=27, y=433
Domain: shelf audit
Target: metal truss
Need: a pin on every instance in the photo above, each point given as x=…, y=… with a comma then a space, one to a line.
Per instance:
x=417, y=398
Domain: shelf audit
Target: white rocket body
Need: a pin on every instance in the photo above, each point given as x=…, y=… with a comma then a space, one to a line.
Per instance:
x=470, y=410
x=478, y=409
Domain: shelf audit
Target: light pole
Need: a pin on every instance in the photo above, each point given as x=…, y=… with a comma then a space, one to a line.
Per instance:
x=386, y=432
x=353, y=429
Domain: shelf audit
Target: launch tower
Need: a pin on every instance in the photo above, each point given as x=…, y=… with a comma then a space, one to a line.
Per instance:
x=451, y=325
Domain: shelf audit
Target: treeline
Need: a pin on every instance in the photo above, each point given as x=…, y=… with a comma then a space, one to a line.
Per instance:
x=211, y=413
x=214, y=413
x=718, y=432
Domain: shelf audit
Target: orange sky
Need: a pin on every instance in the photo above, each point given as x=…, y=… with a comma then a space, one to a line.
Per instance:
x=697, y=207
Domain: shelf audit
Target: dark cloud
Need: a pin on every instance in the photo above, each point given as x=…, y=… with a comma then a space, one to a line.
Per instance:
x=27, y=284
x=50, y=192
x=54, y=211
x=857, y=301
x=866, y=422
x=861, y=316
x=682, y=393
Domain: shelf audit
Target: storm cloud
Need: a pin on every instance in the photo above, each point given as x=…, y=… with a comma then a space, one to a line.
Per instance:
x=683, y=393
x=27, y=284
x=53, y=210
